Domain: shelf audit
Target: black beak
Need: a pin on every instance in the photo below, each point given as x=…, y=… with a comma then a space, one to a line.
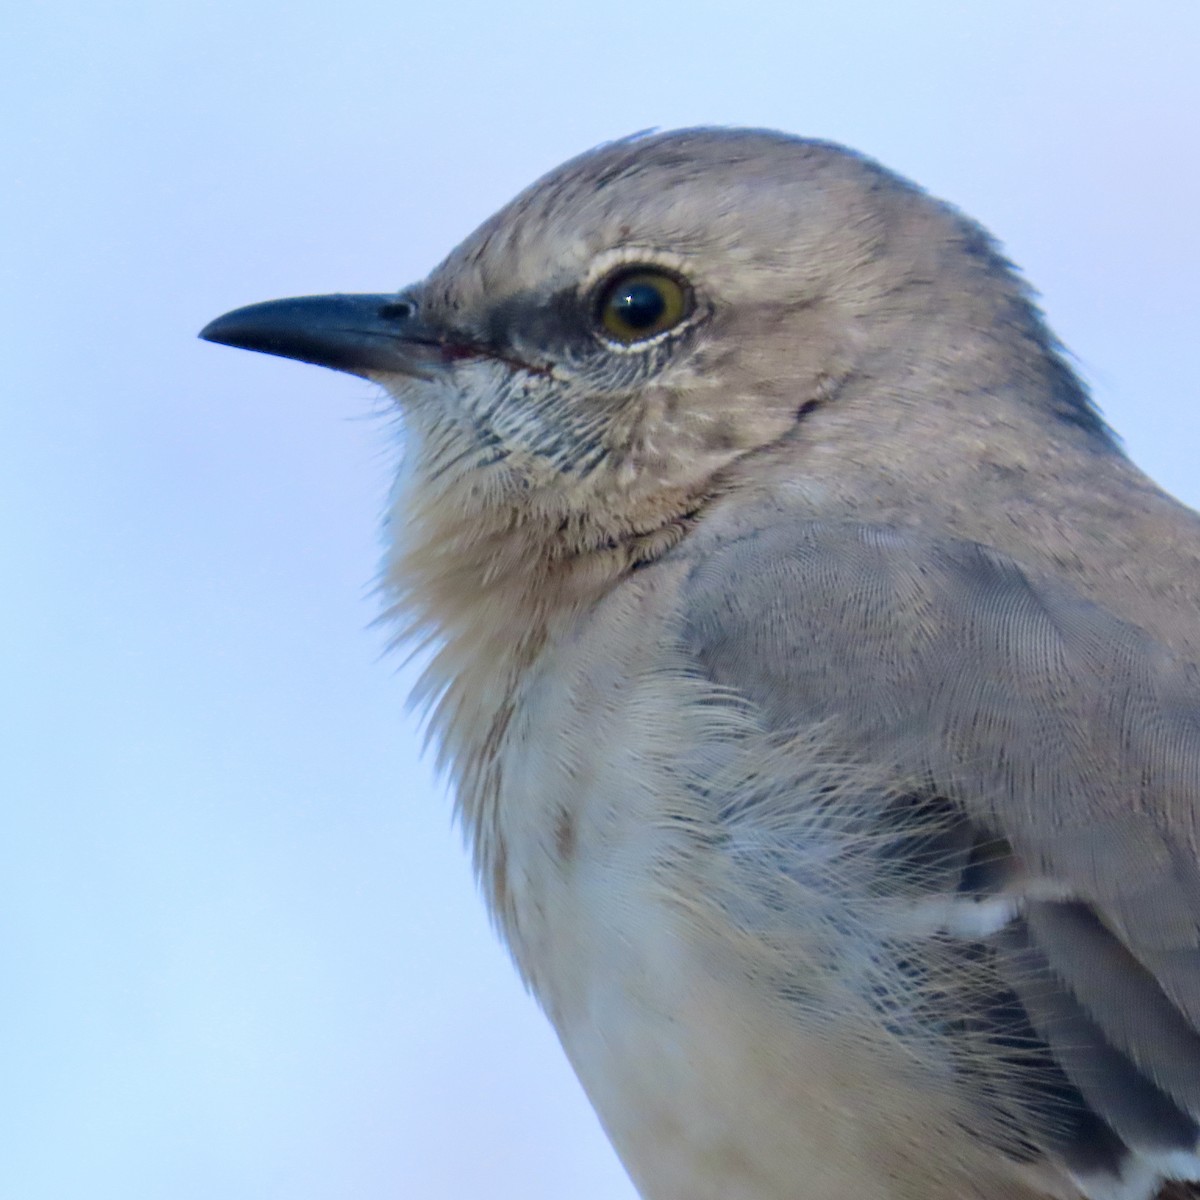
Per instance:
x=363, y=335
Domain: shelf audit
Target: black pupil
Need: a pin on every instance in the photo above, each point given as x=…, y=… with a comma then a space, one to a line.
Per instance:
x=639, y=305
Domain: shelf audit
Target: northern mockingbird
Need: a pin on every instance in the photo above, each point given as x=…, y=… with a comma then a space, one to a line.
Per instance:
x=819, y=680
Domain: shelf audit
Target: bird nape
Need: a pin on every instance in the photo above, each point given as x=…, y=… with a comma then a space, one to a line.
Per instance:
x=819, y=681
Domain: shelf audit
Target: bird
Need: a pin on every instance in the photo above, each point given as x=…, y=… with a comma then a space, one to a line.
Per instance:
x=818, y=678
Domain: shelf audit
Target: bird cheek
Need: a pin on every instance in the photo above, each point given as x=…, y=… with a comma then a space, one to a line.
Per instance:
x=411, y=393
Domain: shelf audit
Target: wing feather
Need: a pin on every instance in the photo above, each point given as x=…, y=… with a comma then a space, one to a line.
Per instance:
x=1054, y=730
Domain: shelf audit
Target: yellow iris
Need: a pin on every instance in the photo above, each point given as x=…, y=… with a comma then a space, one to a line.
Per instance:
x=640, y=303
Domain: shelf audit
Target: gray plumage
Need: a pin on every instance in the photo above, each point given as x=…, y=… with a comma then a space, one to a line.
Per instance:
x=819, y=680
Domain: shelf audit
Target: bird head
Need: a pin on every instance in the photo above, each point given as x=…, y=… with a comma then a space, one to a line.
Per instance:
x=590, y=367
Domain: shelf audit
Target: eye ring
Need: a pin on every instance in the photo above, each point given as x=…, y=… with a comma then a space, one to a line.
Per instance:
x=636, y=304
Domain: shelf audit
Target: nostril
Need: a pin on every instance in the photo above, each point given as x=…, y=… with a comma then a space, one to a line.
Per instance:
x=398, y=310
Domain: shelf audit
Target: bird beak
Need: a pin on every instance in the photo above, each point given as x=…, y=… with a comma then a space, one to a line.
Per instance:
x=361, y=334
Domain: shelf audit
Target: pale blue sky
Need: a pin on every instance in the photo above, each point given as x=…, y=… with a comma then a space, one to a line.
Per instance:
x=244, y=955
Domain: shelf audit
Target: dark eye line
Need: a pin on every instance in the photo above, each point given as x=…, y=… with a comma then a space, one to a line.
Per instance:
x=457, y=351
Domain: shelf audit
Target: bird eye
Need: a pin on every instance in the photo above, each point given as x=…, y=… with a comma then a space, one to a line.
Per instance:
x=636, y=305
